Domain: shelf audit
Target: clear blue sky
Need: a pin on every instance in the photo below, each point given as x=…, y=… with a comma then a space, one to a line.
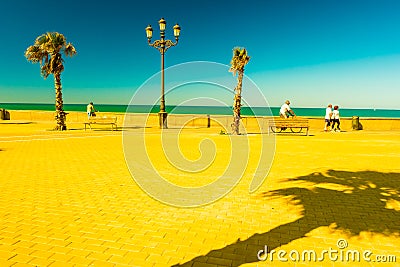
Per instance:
x=313, y=52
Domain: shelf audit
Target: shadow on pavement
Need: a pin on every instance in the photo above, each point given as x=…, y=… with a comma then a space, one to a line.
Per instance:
x=16, y=122
x=361, y=207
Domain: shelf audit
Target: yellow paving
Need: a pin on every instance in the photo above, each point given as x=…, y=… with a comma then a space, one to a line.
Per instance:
x=68, y=199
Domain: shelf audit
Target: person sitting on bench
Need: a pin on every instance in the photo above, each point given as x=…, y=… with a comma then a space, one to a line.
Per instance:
x=286, y=111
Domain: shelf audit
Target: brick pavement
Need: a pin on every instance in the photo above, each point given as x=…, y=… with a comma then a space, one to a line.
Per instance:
x=68, y=199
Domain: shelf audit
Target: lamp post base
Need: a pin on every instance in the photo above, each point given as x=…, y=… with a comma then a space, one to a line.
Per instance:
x=162, y=118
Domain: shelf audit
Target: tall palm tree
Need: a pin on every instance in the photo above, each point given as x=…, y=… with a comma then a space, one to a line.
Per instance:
x=239, y=60
x=47, y=51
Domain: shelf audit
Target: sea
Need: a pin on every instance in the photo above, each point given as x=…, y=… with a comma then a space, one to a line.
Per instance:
x=211, y=110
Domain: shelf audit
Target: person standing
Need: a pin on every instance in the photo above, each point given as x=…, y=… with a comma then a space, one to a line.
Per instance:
x=90, y=110
x=335, y=119
x=328, y=116
x=286, y=111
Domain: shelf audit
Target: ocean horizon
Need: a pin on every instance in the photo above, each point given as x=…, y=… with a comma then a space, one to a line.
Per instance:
x=211, y=110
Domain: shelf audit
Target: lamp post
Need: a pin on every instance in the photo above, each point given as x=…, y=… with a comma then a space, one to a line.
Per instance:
x=162, y=45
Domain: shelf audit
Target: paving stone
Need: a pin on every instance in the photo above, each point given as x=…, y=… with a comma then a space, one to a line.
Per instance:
x=68, y=198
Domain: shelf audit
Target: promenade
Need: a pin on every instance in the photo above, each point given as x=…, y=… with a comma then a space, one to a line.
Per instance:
x=68, y=199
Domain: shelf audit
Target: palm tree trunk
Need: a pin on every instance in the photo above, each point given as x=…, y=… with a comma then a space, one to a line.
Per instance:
x=60, y=114
x=237, y=104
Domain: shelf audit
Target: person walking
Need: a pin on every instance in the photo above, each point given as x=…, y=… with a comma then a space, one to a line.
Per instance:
x=91, y=111
x=328, y=116
x=335, y=119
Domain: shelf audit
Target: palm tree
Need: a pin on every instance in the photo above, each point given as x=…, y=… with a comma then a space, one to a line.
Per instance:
x=47, y=51
x=239, y=60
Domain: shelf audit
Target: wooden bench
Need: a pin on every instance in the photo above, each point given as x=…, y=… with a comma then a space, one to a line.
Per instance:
x=102, y=120
x=280, y=125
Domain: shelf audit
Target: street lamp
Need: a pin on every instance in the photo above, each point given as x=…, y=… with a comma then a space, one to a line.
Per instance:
x=162, y=45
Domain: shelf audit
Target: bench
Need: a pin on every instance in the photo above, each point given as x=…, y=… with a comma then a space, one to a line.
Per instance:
x=280, y=125
x=102, y=120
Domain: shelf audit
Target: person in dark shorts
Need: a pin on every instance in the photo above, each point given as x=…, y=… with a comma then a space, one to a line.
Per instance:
x=335, y=119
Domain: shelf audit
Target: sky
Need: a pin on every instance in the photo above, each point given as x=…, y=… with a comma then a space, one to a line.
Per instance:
x=312, y=52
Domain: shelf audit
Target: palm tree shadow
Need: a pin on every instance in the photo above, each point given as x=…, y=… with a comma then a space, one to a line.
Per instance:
x=358, y=203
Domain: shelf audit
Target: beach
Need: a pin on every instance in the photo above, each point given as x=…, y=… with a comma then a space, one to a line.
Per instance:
x=69, y=199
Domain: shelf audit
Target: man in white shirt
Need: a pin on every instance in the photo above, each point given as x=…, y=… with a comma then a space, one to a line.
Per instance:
x=90, y=110
x=285, y=110
x=328, y=117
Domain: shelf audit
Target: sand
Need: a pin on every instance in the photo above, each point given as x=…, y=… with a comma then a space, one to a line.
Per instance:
x=68, y=198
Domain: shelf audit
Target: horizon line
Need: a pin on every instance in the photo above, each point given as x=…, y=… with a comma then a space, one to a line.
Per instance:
x=174, y=105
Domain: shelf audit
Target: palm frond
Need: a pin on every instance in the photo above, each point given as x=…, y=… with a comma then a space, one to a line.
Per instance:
x=52, y=42
x=34, y=54
x=41, y=40
x=69, y=50
x=58, y=40
x=45, y=70
x=47, y=50
x=239, y=60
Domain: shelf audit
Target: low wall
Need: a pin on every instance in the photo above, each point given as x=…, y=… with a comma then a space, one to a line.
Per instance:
x=191, y=120
x=29, y=115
